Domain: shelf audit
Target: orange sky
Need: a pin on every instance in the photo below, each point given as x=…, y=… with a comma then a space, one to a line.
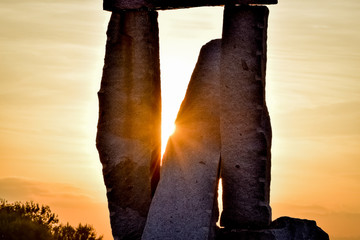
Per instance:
x=51, y=57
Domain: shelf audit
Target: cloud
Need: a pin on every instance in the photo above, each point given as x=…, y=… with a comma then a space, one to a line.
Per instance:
x=24, y=189
x=337, y=119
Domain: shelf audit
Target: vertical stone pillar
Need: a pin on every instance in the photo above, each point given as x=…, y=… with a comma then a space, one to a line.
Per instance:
x=244, y=119
x=129, y=136
x=185, y=202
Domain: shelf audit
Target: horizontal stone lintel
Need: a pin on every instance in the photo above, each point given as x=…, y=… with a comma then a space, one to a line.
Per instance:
x=121, y=5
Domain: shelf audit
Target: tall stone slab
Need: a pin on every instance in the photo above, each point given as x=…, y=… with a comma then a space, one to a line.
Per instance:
x=118, y=5
x=244, y=122
x=128, y=138
x=185, y=202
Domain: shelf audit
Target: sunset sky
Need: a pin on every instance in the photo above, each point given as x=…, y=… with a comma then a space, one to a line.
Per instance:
x=51, y=59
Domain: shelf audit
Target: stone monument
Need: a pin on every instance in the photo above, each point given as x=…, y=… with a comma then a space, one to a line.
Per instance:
x=244, y=119
x=129, y=128
x=223, y=130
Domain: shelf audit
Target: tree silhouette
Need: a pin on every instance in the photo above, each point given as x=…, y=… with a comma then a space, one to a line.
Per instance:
x=30, y=221
x=81, y=232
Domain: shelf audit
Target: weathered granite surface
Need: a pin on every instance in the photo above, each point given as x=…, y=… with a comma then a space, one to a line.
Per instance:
x=185, y=202
x=119, y=5
x=128, y=138
x=283, y=228
x=244, y=119
x=223, y=127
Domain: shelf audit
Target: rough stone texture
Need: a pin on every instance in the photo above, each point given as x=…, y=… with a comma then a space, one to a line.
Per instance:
x=128, y=137
x=118, y=5
x=284, y=228
x=185, y=202
x=244, y=120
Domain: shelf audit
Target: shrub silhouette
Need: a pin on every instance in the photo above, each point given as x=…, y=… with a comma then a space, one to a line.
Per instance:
x=30, y=221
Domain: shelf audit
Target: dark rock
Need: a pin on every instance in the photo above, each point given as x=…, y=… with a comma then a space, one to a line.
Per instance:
x=244, y=120
x=128, y=138
x=118, y=5
x=185, y=202
x=284, y=228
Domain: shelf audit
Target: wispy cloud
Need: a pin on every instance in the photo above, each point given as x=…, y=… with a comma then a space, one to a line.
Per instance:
x=25, y=189
x=331, y=120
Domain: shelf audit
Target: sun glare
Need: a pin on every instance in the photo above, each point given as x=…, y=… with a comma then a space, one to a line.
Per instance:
x=167, y=129
x=181, y=37
x=220, y=203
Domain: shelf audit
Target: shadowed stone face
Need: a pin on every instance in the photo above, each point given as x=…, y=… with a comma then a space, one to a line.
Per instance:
x=116, y=5
x=184, y=205
x=244, y=120
x=128, y=138
x=283, y=228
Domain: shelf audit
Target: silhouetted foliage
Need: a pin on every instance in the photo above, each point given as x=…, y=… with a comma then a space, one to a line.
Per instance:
x=30, y=221
x=65, y=232
x=81, y=232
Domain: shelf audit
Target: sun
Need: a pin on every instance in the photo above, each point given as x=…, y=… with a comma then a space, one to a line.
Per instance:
x=167, y=129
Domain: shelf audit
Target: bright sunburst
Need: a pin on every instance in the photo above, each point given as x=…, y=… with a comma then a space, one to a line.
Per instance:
x=167, y=129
